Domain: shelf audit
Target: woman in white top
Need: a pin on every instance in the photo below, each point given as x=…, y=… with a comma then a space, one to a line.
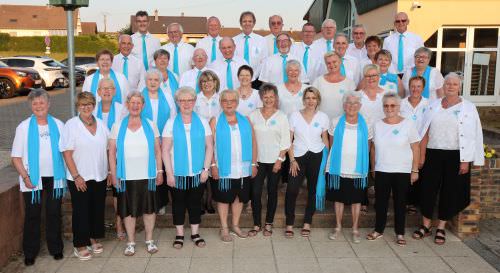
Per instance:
x=291, y=92
x=234, y=163
x=388, y=80
x=333, y=85
x=38, y=160
x=395, y=156
x=187, y=150
x=249, y=97
x=348, y=163
x=453, y=140
x=272, y=132
x=433, y=78
x=309, y=140
x=169, y=81
x=84, y=145
x=136, y=169
x=371, y=94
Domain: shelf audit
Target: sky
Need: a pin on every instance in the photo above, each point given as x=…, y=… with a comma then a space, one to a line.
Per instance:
x=118, y=11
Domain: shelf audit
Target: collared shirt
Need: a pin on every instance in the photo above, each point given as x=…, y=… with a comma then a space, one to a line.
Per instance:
x=207, y=108
x=270, y=40
x=257, y=49
x=206, y=44
x=136, y=71
x=272, y=135
x=415, y=113
x=411, y=42
x=307, y=136
x=436, y=81
x=357, y=53
x=272, y=69
x=122, y=81
x=220, y=68
x=331, y=95
x=319, y=46
x=289, y=102
x=152, y=44
x=190, y=77
x=314, y=60
x=184, y=53
x=351, y=66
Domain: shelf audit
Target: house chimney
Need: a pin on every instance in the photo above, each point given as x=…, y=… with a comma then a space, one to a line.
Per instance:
x=156, y=15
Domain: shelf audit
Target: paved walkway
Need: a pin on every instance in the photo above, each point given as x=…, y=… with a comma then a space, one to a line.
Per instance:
x=275, y=254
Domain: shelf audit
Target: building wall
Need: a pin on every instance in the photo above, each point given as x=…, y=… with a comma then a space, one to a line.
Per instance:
x=25, y=32
x=379, y=20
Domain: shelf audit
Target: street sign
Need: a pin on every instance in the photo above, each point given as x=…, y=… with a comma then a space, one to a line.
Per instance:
x=69, y=3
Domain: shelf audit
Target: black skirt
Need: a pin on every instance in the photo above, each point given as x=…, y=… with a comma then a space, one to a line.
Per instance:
x=347, y=193
x=137, y=199
x=239, y=188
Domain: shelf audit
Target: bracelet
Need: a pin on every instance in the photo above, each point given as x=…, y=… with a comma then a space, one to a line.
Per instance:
x=293, y=160
x=254, y=164
x=282, y=159
x=206, y=169
x=159, y=171
x=76, y=176
x=24, y=177
x=414, y=171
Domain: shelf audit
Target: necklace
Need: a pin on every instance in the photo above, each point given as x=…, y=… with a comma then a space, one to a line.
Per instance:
x=86, y=122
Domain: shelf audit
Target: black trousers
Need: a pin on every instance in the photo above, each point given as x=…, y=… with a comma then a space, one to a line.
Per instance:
x=309, y=165
x=399, y=184
x=162, y=192
x=88, y=212
x=265, y=170
x=188, y=199
x=440, y=178
x=285, y=169
x=33, y=219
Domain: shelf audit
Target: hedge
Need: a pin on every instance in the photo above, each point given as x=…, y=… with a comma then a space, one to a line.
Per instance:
x=83, y=44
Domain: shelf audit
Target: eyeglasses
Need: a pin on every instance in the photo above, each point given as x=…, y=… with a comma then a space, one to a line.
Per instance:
x=187, y=101
x=371, y=76
x=83, y=105
x=107, y=88
x=400, y=21
x=276, y=23
x=358, y=33
x=352, y=103
x=228, y=101
x=421, y=57
x=205, y=81
x=386, y=106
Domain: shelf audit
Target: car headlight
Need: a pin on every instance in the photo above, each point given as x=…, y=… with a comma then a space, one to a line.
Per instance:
x=21, y=74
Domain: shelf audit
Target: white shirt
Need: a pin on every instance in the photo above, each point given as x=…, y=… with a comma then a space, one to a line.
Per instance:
x=190, y=78
x=206, y=44
x=272, y=135
x=152, y=44
x=170, y=102
x=122, y=81
x=372, y=109
x=314, y=60
x=184, y=55
x=272, y=69
x=393, y=153
x=416, y=114
x=411, y=42
x=248, y=105
x=136, y=151
x=239, y=169
x=436, y=81
x=120, y=113
x=320, y=48
x=351, y=68
x=307, y=136
x=270, y=41
x=136, y=71
x=20, y=149
x=90, y=152
x=207, y=108
x=289, y=102
x=220, y=68
x=257, y=49
x=390, y=86
x=331, y=95
x=358, y=53
x=443, y=131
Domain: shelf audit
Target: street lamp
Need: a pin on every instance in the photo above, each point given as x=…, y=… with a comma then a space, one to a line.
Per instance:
x=69, y=6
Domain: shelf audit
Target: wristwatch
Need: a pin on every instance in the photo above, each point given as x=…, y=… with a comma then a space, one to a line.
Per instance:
x=282, y=159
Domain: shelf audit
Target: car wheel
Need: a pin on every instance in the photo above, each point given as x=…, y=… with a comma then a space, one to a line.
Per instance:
x=44, y=86
x=7, y=89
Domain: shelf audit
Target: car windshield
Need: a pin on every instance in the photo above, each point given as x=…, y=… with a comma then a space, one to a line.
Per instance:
x=2, y=64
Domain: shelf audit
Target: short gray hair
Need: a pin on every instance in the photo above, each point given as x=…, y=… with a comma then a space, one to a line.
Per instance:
x=185, y=90
x=175, y=24
x=124, y=35
x=103, y=80
x=359, y=26
x=341, y=34
x=38, y=93
x=293, y=63
x=153, y=71
x=391, y=95
x=369, y=67
x=135, y=94
x=329, y=20
x=226, y=92
x=161, y=52
x=454, y=75
x=351, y=94
x=330, y=54
x=423, y=50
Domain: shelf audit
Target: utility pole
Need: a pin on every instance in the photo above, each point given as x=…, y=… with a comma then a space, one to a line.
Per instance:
x=105, y=20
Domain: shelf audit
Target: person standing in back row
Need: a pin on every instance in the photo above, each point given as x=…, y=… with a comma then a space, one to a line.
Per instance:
x=145, y=43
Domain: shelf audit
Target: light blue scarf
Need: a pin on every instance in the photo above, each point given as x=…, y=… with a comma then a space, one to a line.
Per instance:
x=427, y=77
x=320, y=186
x=181, y=167
x=172, y=82
x=121, y=173
x=163, y=109
x=362, y=160
x=223, y=142
x=111, y=114
x=112, y=75
x=34, y=159
x=388, y=77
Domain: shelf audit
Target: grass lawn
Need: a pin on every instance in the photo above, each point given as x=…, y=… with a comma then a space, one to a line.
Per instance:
x=57, y=56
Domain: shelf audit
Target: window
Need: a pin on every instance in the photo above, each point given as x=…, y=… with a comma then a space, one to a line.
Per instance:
x=19, y=62
x=12, y=20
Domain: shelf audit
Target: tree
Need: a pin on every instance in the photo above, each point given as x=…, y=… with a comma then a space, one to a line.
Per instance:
x=126, y=30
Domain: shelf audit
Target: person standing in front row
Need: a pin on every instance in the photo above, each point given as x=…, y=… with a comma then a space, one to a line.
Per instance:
x=180, y=52
x=145, y=44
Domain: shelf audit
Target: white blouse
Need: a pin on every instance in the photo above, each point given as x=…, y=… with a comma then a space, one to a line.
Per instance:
x=248, y=105
x=415, y=113
x=273, y=135
x=331, y=95
x=120, y=113
x=307, y=136
x=372, y=110
x=136, y=151
x=443, y=131
x=20, y=149
x=122, y=81
x=207, y=108
x=436, y=81
x=90, y=152
x=289, y=102
x=170, y=102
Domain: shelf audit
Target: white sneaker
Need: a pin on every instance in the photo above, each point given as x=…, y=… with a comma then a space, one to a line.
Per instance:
x=130, y=249
x=152, y=248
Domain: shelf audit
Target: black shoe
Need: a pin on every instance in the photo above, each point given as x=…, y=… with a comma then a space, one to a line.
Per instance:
x=58, y=256
x=211, y=211
x=29, y=261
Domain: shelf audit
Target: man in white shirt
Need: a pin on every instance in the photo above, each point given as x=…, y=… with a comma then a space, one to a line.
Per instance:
x=402, y=45
x=350, y=66
x=357, y=48
x=276, y=27
x=131, y=67
x=309, y=58
x=325, y=43
x=274, y=67
x=190, y=77
x=180, y=52
x=210, y=43
x=250, y=46
x=145, y=44
x=227, y=67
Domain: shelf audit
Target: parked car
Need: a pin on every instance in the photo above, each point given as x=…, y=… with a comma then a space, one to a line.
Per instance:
x=79, y=73
x=50, y=73
x=16, y=80
x=86, y=63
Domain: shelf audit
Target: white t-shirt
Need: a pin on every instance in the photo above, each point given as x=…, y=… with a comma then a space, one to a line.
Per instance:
x=207, y=108
x=122, y=81
x=443, y=130
x=248, y=105
x=393, y=153
x=436, y=81
x=372, y=109
x=90, y=152
x=416, y=114
x=20, y=149
x=168, y=132
x=120, y=113
x=272, y=135
x=307, y=136
x=136, y=151
x=170, y=102
x=239, y=169
x=331, y=95
x=289, y=102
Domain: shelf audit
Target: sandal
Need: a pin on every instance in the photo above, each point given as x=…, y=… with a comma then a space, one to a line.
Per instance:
x=236, y=231
x=401, y=241
x=364, y=210
x=253, y=232
x=374, y=236
x=97, y=248
x=411, y=210
x=225, y=236
x=178, y=242
x=335, y=234
x=268, y=230
x=121, y=236
x=305, y=232
x=421, y=232
x=440, y=239
x=355, y=237
x=130, y=249
x=197, y=240
x=289, y=234
x=151, y=247
x=82, y=255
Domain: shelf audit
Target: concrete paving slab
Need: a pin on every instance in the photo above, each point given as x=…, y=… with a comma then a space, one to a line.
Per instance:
x=293, y=249
x=329, y=249
x=427, y=264
x=340, y=265
x=251, y=265
x=125, y=265
x=469, y=265
x=386, y=265
x=298, y=265
x=161, y=265
x=204, y=265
